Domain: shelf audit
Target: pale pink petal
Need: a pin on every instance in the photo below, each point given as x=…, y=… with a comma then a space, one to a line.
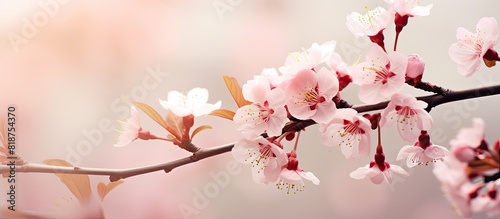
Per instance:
x=275, y=98
x=359, y=173
x=309, y=176
x=258, y=176
x=277, y=122
x=489, y=27
x=424, y=120
x=421, y=10
x=256, y=90
x=415, y=159
x=372, y=94
x=373, y=171
x=405, y=151
x=130, y=130
x=324, y=112
x=247, y=120
x=290, y=176
x=398, y=63
x=196, y=97
x=328, y=84
x=205, y=109
x=295, y=92
x=436, y=152
x=399, y=170
x=364, y=145
x=388, y=115
x=245, y=151
x=387, y=175
x=272, y=170
x=408, y=129
x=281, y=156
x=360, y=75
x=378, y=178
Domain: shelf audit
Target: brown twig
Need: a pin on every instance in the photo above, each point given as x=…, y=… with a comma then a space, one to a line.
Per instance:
x=116, y=174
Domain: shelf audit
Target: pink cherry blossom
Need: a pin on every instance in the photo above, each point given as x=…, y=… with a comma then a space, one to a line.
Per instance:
x=195, y=103
x=409, y=114
x=309, y=95
x=266, y=158
x=451, y=172
x=378, y=173
x=131, y=129
x=454, y=183
x=271, y=74
x=472, y=47
x=489, y=201
x=369, y=24
x=380, y=76
x=267, y=112
x=467, y=140
x=291, y=176
x=423, y=152
x=409, y=8
x=349, y=131
x=308, y=59
x=472, y=136
x=415, y=155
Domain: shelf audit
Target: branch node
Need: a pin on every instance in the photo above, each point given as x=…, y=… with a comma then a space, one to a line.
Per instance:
x=195, y=156
x=167, y=170
x=188, y=146
x=114, y=178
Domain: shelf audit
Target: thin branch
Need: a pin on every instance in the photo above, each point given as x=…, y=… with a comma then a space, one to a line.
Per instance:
x=116, y=174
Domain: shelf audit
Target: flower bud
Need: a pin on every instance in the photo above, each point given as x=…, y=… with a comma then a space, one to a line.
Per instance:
x=464, y=153
x=415, y=67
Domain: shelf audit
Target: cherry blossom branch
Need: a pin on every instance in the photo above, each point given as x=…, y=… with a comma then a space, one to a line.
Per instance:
x=432, y=101
x=116, y=174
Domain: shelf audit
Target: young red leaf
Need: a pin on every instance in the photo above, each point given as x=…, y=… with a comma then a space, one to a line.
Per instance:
x=104, y=189
x=199, y=129
x=175, y=122
x=224, y=113
x=78, y=184
x=235, y=90
x=156, y=117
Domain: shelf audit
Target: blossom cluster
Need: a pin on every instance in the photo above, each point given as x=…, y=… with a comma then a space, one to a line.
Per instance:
x=307, y=88
x=470, y=177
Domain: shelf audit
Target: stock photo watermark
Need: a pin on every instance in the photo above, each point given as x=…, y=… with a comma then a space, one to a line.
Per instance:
x=31, y=25
x=224, y=6
x=209, y=190
x=94, y=136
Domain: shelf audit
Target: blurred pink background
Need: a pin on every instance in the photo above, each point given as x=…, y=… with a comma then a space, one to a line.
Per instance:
x=66, y=75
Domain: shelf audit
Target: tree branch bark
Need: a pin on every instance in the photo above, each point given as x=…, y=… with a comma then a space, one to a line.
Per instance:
x=116, y=174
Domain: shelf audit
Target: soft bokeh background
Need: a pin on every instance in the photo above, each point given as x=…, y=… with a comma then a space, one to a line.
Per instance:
x=66, y=77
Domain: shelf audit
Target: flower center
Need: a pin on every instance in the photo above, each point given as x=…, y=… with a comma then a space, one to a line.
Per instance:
x=311, y=97
x=350, y=133
x=370, y=15
x=262, y=159
x=406, y=115
x=382, y=74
